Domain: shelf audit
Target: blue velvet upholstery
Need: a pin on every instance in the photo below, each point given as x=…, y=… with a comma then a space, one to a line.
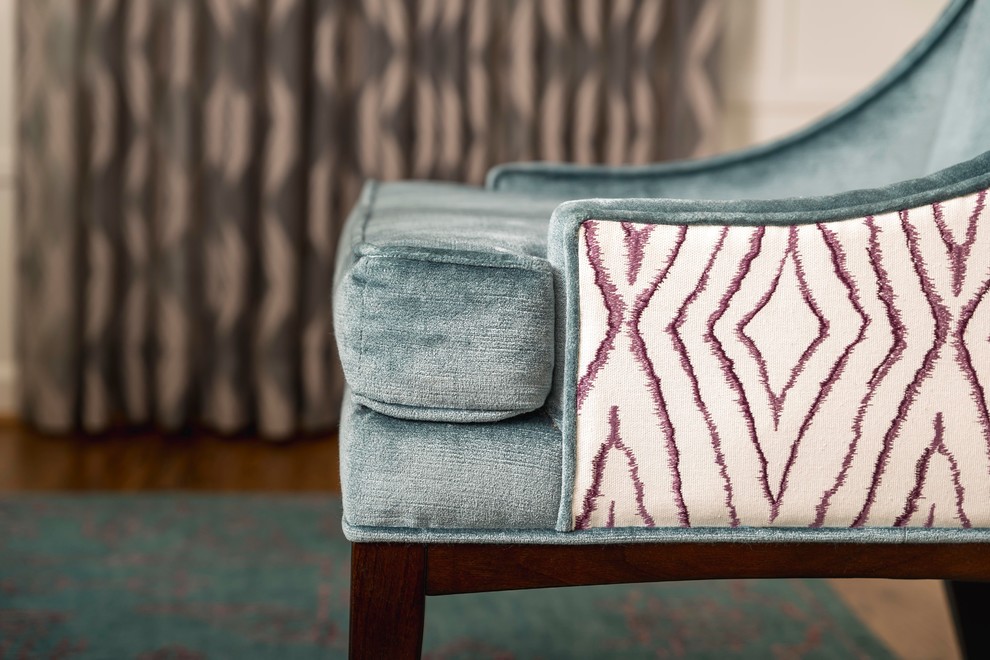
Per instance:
x=445, y=301
x=437, y=274
x=403, y=474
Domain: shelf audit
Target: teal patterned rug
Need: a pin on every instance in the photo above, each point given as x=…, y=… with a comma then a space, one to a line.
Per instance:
x=190, y=576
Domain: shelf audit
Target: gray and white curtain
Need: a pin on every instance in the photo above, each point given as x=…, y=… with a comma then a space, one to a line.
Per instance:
x=185, y=166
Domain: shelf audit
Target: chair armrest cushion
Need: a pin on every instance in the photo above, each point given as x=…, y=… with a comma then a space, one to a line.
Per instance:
x=443, y=307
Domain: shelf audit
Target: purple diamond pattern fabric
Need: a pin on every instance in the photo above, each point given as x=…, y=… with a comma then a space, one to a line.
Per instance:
x=823, y=375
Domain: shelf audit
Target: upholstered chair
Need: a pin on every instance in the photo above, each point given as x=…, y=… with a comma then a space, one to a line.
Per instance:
x=767, y=364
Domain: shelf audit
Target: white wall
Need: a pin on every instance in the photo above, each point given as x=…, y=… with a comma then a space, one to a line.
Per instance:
x=790, y=61
x=8, y=367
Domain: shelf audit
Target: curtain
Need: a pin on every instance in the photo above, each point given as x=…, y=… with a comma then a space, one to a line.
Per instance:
x=185, y=167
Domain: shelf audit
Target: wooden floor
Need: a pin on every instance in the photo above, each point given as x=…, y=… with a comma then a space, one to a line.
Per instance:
x=912, y=618
x=142, y=462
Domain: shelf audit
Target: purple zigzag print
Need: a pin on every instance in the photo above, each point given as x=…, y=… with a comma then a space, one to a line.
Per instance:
x=673, y=329
x=956, y=484
x=921, y=473
x=937, y=447
x=898, y=345
x=646, y=364
x=614, y=441
x=727, y=366
x=635, y=240
x=777, y=399
x=940, y=314
x=838, y=258
x=965, y=360
x=959, y=253
x=849, y=366
x=614, y=305
x=885, y=291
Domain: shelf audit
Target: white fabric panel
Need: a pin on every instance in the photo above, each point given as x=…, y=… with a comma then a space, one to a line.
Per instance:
x=819, y=375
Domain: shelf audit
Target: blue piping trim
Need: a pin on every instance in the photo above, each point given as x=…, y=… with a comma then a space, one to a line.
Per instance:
x=884, y=535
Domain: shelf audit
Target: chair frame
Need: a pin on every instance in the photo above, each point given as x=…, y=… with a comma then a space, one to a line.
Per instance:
x=390, y=581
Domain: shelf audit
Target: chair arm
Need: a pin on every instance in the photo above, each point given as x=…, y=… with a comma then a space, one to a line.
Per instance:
x=443, y=302
x=788, y=347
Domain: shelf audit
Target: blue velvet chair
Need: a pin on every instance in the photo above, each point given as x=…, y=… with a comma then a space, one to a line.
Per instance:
x=766, y=364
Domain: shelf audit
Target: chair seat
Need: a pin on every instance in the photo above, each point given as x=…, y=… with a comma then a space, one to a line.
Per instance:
x=402, y=475
x=444, y=302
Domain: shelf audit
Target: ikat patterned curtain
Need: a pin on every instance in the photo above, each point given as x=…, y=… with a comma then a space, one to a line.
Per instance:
x=185, y=166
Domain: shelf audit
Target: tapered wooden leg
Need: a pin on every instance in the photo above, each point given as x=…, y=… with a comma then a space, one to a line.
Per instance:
x=971, y=611
x=388, y=600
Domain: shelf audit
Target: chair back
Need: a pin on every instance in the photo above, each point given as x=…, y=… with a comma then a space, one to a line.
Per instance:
x=964, y=128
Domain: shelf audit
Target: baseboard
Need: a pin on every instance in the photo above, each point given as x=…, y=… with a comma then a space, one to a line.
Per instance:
x=8, y=391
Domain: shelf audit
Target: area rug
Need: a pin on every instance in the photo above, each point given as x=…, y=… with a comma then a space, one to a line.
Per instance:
x=191, y=576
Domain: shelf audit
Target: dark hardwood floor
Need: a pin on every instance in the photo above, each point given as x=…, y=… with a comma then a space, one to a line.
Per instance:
x=31, y=461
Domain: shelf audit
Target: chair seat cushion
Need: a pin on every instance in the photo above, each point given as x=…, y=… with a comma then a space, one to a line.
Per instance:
x=400, y=474
x=500, y=482
x=443, y=305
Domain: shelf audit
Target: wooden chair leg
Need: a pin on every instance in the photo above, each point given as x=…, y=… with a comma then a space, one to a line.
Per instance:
x=388, y=600
x=970, y=603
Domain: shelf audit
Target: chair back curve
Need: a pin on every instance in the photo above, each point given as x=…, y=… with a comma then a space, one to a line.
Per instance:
x=930, y=111
x=964, y=130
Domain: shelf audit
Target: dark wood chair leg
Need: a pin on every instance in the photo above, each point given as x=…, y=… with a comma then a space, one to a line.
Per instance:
x=970, y=603
x=388, y=600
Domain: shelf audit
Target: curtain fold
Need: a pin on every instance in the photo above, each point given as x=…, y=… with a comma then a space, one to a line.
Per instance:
x=185, y=167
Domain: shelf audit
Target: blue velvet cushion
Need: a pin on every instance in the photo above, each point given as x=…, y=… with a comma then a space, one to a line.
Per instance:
x=443, y=305
x=404, y=474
